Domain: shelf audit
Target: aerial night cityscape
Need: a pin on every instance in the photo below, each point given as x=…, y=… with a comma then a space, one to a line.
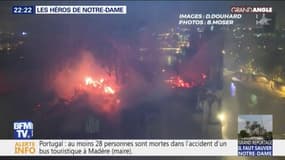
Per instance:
x=147, y=74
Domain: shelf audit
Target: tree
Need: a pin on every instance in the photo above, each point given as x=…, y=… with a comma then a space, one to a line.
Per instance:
x=243, y=134
x=268, y=136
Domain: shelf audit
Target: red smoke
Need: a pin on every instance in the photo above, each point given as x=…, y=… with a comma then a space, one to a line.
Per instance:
x=83, y=75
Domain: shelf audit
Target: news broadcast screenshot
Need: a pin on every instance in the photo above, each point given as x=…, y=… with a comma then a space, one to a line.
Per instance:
x=127, y=80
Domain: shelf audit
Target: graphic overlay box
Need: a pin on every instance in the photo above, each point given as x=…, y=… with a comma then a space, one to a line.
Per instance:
x=255, y=135
x=23, y=129
x=265, y=22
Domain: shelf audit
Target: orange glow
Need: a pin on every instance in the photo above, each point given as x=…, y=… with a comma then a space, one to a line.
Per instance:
x=100, y=84
x=109, y=90
x=177, y=82
x=83, y=79
x=88, y=80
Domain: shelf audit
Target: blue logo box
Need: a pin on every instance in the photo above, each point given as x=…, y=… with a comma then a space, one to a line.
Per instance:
x=255, y=148
x=23, y=10
x=23, y=129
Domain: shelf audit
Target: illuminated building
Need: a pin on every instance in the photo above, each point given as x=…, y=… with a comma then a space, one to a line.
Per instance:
x=173, y=45
x=9, y=42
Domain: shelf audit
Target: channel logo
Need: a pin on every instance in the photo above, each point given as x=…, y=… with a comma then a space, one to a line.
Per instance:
x=23, y=129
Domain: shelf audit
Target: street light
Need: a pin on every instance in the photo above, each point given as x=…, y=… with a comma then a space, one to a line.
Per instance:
x=221, y=117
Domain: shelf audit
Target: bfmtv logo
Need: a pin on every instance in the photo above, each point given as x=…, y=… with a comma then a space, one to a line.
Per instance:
x=23, y=129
